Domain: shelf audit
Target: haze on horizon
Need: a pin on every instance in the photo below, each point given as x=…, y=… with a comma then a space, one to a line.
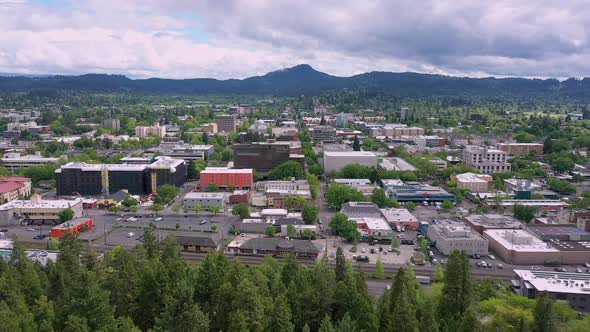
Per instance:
x=242, y=38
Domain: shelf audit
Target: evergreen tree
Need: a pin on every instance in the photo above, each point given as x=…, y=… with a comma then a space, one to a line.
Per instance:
x=427, y=317
x=340, y=264
x=470, y=321
x=457, y=291
x=326, y=325
x=356, y=145
x=280, y=316
x=346, y=324
x=544, y=316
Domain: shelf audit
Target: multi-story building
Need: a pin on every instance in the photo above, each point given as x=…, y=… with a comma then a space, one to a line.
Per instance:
x=275, y=198
x=205, y=200
x=486, y=160
x=114, y=124
x=400, y=217
x=226, y=123
x=15, y=160
x=210, y=128
x=190, y=151
x=262, y=157
x=483, y=222
x=102, y=179
x=476, y=183
x=451, y=235
x=324, y=134
x=521, y=149
x=282, y=185
x=12, y=188
x=566, y=286
x=395, y=164
x=37, y=211
x=146, y=131
x=441, y=164
x=225, y=177
x=336, y=160
x=415, y=192
x=342, y=119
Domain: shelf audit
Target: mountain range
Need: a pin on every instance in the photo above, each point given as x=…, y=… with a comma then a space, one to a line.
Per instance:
x=303, y=79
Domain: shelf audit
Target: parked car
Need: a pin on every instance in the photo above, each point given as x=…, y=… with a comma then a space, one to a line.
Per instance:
x=492, y=257
x=130, y=234
x=363, y=250
x=40, y=236
x=4, y=230
x=30, y=229
x=560, y=269
x=158, y=219
x=203, y=222
x=372, y=251
x=500, y=266
x=585, y=264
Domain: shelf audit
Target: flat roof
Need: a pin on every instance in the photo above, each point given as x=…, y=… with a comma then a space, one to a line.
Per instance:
x=472, y=177
x=454, y=230
x=518, y=240
x=557, y=282
x=401, y=215
x=98, y=167
x=374, y=224
x=395, y=163
x=71, y=223
x=493, y=220
x=531, y=202
x=28, y=204
x=349, y=154
x=274, y=212
x=220, y=170
x=548, y=231
x=200, y=195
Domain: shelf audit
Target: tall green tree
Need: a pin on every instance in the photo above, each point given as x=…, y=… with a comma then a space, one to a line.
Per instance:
x=457, y=291
x=544, y=315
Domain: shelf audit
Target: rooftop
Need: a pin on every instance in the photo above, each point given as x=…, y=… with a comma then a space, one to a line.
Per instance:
x=493, y=220
x=374, y=224
x=563, y=231
x=453, y=229
x=519, y=240
x=224, y=170
x=9, y=186
x=472, y=177
x=349, y=154
x=395, y=215
x=30, y=204
x=300, y=246
x=201, y=195
x=556, y=282
x=353, y=181
x=530, y=202
x=396, y=164
x=71, y=223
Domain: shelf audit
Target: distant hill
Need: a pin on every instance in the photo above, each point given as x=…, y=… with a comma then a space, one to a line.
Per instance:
x=303, y=79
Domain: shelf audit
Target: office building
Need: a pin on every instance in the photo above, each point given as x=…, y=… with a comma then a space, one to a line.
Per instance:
x=209, y=128
x=12, y=188
x=103, y=179
x=521, y=149
x=406, y=113
x=363, y=185
x=374, y=228
x=565, y=286
x=342, y=120
x=262, y=157
x=395, y=164
x=415, y=192
x=15, y=160
x=226, y=123
x=114, y=124
x=225, y=177
x=282, y=185
x=147, y=131
x=486, y=160
x=205, y=200
x=189, y=151
x=324, y=134
x=452, y=235
x=400, y=217
x=483, y=222
x=37, y=211
x=476, y=183
x=336, y=160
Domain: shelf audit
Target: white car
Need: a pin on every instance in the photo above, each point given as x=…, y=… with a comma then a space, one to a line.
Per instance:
x=130, y=234
x=492, y=257
x=500, y=266
x=30, y=229
x=363, y=250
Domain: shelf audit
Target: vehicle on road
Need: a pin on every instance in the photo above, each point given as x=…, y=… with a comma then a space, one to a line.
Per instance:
x=500, y=266
x=40, y=236
x=30, y=229
x=483, y=264
x=585, y=264
x=203, y=222
x=130, y=234
x=363, y=250
x=492, y=257
x=560, y=269
x=4, y=230
x=578, y=270
x=158, y=219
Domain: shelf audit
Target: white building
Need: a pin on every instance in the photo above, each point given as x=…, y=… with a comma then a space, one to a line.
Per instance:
x=15, y=160
x=336, y=160
x=376, y=228
x=205, y=200
x=146, y=131
x=395, y=164
x=486, y=160
x=451, y=235
x=476, y=183
x=37, y=211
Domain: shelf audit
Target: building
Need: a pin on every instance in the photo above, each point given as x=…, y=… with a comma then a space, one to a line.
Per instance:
x=486, y=160
x=452, y=235
x=374, y=228
x=209, y=128
x=441, y=164
x=406, y=113
x=205, y=200
x=277, y=247
x=483, y=222
x=400, y=217
x=196, y=242
x=395, y=164
x=262, y=157
x=190, y=152
x=37, y=211
x=239, y=196
x=226, y=123
x=416, y=192
x=521, y=149
x=136, y=160
x=546, y=207
x=147, y=131
x=521, y=188
x=282, y=185
x=226, y=177
x=559, y=232
x=12, y=188
x=73, y=226
x=336, y=160
x=114, y=124
x=476, y=183
x=324, y=134
x=102, y=179
x=276, y=198
x=361, y=210
x=363, y=185
x=342, y=120
x=565, y=286
x=15, y=160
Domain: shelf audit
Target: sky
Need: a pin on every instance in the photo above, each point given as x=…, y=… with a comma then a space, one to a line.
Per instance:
x=241, y=38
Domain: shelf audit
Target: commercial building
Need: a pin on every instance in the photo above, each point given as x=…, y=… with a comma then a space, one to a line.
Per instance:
x=15, y=160
x=363, y=185
x=205, y=200
x=147, y=131
x=483, y=222
x=521, y=149
x=374, y=228
x=416, y=192
x=37, y=210
x=225, y=177
x=400, y=217
x=226, y=123
x=196, y=242
x=210, y=128
x=276, y=198
x=452, y=235
x=521, y=188
x=476, y=183
x=441, y=164
x=73, y=226
x=361, y=210
x=559, y=232
x=342, y=119
x=396, y=130
x=282, y=185
x=486, y=160
x=336, y=160
x=395, y=164
x=12, y=188
x=566, y=286
x=114, y=124
x=324, y=134
x=262, y=157
x=190, y=151
x=273, y=247
x=103, y=179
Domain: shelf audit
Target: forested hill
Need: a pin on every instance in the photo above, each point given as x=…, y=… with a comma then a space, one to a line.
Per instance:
x=303, y=79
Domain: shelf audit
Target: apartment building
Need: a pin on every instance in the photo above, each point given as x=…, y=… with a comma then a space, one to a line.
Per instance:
x=486, y=160
x=147, y=131
x=226, y=123
x=521, y=149
x=324, y=134
x=476, y=183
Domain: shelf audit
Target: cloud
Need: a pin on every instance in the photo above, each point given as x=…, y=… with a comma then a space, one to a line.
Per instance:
x=223, y=39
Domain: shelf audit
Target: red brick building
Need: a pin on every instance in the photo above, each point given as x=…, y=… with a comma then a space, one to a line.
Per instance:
x=239, y=196
x=521, y=149
x=226, y=177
